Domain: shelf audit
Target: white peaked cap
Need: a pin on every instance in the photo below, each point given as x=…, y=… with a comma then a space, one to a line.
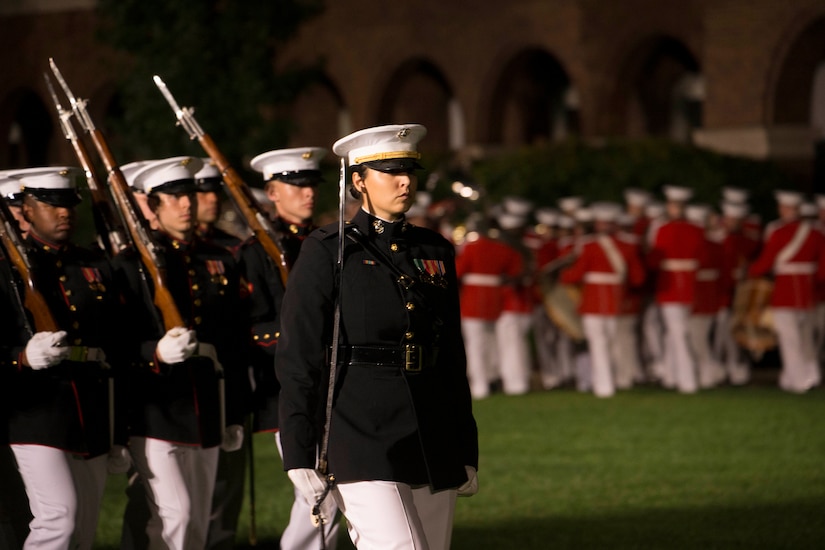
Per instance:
x=697, y=213
x=636, y=197
x=734, y=194
x=808, y=209
x=129, y=170
x=625, y=220
x=209, y=170
x=160, y=172
x=605, y=211
x=517, y=205
x=583, y=215
x=734, y=209
x=287, y=161
x=547, y=216
x=788, y=198
x=509, y=220
x=654, y=210
x=47, y=177
x=394, y=141
x=9, y=186
x=570, y=204
x=677, y=194
x=566, y=222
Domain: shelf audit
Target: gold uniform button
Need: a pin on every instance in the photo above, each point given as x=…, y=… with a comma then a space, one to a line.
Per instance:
x=62, y=278
x=68, y=293
x=187, y=259
x=410, y=306
x=72, y=307
x=256, y=337
x=195, y=287
x=191, y=272
x=277, y=335
x=198, y=320
x=197, y=302
x=59, y=263
x=75, y=324
x=266, y=336
x=394, y=247
x=409, y=335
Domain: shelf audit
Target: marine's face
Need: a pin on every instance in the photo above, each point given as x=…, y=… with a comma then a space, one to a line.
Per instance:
x=386, y=195
x=209, y=207
x=51, y=223
x=293, y=203
x=176, y=214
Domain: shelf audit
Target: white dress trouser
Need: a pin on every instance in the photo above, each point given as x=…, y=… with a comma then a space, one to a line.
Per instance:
x=386, y=515
x=800, y=368
x=680, y=368
x=300, y=533
x=735, y=363
x=482, y=354
x=628, y=363
x=600, y=331
x=65, y=492
x=653, y=340
x=544, y=334
x=179, y=480
x=709, y=369
x=512, y=329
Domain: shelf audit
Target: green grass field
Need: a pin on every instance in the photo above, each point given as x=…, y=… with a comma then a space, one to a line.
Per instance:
x=725, y=468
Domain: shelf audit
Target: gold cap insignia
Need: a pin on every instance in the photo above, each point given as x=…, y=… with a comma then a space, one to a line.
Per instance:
x=403, y=132
x=307, y=155
x=186, y=161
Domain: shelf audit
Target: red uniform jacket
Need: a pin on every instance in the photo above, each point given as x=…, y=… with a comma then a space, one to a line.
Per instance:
x=794, y=274
x=711, y=280
x=676, y=247
x=482, y=268
x=603, y=287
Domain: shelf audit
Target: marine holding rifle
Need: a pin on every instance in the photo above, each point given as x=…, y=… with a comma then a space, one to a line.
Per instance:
x=401, y=441
x=176, y=403
x=60, y=362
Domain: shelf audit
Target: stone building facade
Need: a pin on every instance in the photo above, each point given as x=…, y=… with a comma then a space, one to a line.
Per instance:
x=739, y=76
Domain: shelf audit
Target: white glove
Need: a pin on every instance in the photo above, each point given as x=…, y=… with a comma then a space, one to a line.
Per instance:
x=469, y=487
x=177, y=345
x=46, y=349
x=232, y=438
x=119, y=460
x=311, y=484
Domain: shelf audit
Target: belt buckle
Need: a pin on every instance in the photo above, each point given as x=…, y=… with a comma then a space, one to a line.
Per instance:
x=413, y=358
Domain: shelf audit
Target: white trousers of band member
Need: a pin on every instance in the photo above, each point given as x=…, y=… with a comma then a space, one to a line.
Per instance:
x=800, y=368
x=387, y=515
x=65, y=492
x=709, y=369
x=653, y=340
x=482, y=353
x=300, y=533
x=544, y=335
x=565, y=354
x=819, y=329
x=179, y=480
x=735, y=363
x=628, y=363
x=600, y=331
x=680, y=367
x=512, y=333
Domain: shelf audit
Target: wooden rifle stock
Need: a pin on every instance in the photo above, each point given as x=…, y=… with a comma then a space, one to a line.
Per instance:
x=136, y=224
x=239, y=192
x=15, y=250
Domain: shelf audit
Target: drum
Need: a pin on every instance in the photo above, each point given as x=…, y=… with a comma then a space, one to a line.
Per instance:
x=561, y=303
x=752, y=323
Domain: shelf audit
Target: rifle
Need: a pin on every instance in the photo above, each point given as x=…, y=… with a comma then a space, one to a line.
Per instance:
x=16, y=251
x=107, y=223
x=239, y=192
x=149, y=250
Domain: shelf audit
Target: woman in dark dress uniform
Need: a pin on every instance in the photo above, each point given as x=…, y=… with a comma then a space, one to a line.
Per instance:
x=402, y=439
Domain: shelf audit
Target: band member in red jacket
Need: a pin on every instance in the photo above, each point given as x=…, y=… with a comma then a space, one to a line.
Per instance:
x=605, y=267
x=676, y=247
x=794, y=253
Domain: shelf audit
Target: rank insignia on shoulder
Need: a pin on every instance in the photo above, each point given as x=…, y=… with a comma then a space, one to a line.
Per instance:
x=431, y=272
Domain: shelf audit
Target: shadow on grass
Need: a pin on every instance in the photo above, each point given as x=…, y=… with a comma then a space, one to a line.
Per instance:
x=796, y=525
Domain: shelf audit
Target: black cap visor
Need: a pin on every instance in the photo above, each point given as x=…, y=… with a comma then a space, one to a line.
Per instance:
x=67, y=198
x=206, y=185
x=176, y=187
x=399, y=165
x=300, y=178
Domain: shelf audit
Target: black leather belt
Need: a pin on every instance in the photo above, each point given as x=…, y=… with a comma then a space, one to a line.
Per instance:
x=410, y=357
